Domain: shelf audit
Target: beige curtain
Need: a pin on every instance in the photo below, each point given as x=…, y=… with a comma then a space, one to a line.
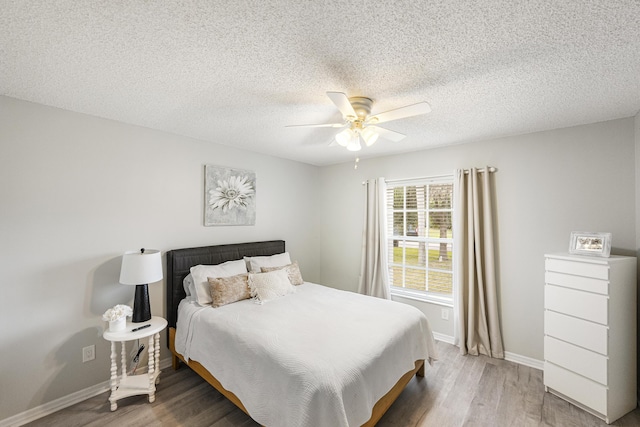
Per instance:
x=476, y=321
x=374, y=273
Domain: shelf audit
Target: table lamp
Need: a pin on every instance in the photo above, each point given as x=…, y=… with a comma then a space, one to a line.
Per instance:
x=140, y=269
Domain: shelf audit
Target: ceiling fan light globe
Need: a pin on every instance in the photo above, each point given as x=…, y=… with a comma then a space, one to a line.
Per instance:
x=343, y=138
x=354, y=144
x=370, y=136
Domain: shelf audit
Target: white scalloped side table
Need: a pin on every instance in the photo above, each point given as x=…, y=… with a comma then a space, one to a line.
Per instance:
x=131, y=385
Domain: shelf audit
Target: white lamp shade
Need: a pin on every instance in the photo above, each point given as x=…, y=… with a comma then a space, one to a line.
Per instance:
x=354, y=144
x=141, y=268
x=345, y=136
x=370, y=136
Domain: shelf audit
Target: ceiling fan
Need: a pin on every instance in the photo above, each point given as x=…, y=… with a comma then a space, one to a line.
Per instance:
x=360, y=124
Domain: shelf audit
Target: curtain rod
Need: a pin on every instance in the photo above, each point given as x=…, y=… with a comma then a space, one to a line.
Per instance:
x=466, y=172
x=423, y=178
x=491, y=169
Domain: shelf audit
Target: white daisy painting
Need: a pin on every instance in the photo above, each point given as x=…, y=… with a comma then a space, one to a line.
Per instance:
x=230, y=196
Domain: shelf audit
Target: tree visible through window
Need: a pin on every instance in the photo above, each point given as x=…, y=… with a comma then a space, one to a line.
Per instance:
x=420, y=238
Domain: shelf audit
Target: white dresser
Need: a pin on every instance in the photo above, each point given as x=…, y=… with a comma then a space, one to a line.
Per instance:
x=590, y=332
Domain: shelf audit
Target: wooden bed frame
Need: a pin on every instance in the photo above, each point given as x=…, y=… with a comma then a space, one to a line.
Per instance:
x=179, y=262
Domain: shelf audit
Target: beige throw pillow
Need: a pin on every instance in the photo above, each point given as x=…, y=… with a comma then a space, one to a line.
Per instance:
x=201, y=273
x=227, y=290
x=293, y=272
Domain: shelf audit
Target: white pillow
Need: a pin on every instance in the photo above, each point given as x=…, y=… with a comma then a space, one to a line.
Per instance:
x=255, y=263
x=269, y=286
x=201, y=273
x=189, y=286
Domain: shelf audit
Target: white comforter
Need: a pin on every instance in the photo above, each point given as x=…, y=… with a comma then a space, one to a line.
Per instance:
x=319, y=357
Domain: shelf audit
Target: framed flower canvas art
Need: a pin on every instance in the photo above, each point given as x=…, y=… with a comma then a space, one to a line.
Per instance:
x=230, y=196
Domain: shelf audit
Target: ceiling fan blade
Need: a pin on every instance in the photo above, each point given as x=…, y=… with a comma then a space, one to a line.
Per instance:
x=401, y=113
x=326, y=125
x=391, y=135
x=342, y=102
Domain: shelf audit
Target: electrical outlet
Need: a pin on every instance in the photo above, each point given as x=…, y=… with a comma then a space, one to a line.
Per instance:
x=88, y=353
x=445, y=314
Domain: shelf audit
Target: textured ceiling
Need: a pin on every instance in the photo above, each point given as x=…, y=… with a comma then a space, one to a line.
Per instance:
x=236, y=72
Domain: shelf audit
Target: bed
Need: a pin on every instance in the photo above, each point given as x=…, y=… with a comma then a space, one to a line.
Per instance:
x=326, y=375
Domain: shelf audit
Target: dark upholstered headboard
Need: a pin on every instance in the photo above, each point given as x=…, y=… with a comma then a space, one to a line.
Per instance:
x=179, y=261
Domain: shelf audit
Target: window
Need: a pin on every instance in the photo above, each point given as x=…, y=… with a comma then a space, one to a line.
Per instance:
x=420, y=238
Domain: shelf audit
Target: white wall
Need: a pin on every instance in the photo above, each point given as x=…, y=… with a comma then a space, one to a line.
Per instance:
x=637, y=159
x=547, y=185
x=76, y=192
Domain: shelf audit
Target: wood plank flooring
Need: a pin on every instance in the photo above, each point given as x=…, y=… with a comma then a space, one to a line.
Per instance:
x=456, y=391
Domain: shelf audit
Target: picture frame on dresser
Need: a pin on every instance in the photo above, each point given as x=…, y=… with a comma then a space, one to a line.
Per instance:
x=590, y=243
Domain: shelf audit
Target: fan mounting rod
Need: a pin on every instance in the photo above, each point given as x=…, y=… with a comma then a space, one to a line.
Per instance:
x=361, y=105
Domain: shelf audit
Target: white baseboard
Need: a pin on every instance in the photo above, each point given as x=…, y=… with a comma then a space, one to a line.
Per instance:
x=524, y=360
x=63, y=402
x=442, y=337
x=511, y=357
x=55, y=405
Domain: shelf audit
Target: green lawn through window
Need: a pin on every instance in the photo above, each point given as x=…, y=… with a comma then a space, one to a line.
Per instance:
x=439, y=281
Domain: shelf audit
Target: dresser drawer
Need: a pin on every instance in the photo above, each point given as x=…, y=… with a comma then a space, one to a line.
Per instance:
x=576, y=359
x=576, y=331
x=588, y=284
x=597, y=271
x=576, y=303
x=577, y=387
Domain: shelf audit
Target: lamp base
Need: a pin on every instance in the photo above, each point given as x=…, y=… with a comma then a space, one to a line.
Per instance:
x=141, y=306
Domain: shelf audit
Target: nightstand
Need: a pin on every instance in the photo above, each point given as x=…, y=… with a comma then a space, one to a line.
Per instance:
x=131, y=385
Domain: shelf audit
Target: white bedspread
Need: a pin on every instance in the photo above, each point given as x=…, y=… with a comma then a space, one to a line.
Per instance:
x=320, y=357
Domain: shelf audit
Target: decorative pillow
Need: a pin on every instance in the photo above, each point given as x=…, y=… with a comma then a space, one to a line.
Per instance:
x=293, y=272
x=269, y=286
x=189, y=286
x=225, y=290
x=201, y=273
x=254, y=263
